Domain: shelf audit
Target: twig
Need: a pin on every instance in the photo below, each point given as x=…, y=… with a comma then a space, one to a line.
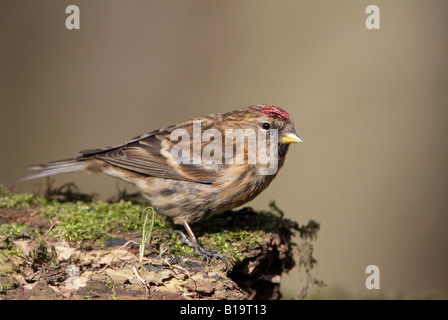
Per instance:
x=115, y=254
x=144, y=283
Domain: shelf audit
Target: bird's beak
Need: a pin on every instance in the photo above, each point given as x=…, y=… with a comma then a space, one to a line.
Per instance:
x=290, y=138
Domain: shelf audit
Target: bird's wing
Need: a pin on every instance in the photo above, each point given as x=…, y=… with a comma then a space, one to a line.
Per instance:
x=150, y=154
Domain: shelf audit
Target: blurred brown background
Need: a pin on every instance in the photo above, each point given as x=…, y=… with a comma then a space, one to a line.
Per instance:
x=371, y=106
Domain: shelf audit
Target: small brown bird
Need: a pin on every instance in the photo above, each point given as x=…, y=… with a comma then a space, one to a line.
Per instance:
x=197, y=168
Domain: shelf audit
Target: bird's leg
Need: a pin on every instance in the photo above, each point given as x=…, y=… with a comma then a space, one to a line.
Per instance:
x=193, y=242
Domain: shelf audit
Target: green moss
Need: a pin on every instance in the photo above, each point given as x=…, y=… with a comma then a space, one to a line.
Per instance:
x=233, y=243
x=11, y=256
x=76, y=221
x=12, y=230
x=234, y=231
x=94, y=295
x=19, y=200
x=229, y=233
x=93, y=220
x=8, y=283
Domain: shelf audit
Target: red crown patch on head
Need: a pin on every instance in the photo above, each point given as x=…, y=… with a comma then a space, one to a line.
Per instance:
x=275, y=112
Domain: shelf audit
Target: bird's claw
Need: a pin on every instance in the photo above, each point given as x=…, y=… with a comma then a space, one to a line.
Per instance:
x=200, y=250
x=184, y=238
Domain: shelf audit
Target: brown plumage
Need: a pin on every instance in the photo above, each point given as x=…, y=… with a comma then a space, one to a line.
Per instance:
x=190, y=191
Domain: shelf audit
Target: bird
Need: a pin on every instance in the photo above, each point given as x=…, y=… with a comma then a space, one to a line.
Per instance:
x=189, y=178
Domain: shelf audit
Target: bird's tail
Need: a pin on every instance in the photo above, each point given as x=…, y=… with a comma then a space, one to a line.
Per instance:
x=54, y=167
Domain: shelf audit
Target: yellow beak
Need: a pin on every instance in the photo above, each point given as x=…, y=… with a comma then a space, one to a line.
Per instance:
x=290, y=138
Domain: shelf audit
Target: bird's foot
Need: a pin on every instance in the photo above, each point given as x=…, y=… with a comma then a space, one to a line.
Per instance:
x=200, y=250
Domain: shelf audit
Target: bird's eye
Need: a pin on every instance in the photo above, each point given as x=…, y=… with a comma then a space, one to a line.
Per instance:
x=266, y=125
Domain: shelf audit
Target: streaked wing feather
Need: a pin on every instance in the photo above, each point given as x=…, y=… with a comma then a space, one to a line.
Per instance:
x=145, y=156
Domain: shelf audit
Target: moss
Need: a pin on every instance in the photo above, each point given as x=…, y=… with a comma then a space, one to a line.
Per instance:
x=12, y=230
x=92, y=220
x=19, y=200
x=11, y=256
x=89, y=220
x=93, y=295
x=232, y=244
x=75, y=221
x=232, y=232
x=8, y=283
